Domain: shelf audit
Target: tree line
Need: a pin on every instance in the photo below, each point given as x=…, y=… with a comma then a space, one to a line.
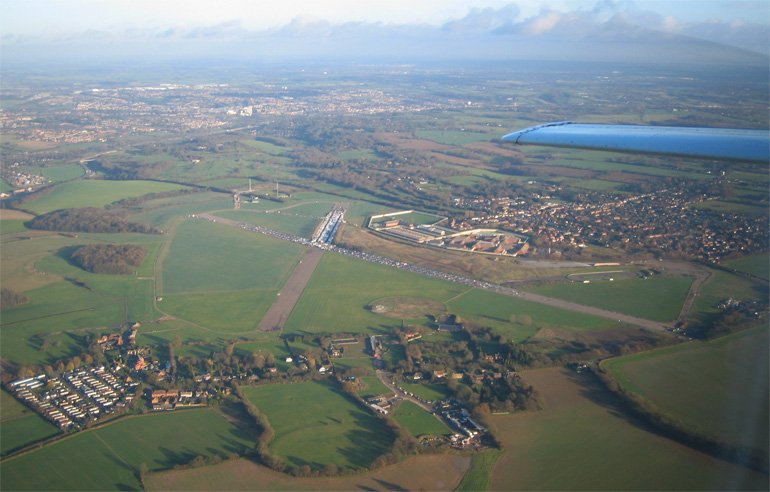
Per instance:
x=680, y=431
x=109, y=258
x=10, y=298
x=88, y=219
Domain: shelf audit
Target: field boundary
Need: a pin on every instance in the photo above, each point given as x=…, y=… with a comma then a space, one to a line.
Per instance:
x=671, y=427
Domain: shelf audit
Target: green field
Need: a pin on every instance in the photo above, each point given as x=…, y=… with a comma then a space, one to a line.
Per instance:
x=439, y=472
x=730, y=207
x=11, y=226
x=419, y=422
x=346, y=285
x=596, y=447
x=496, y=310
x=222, y=277
x=373, y=387
x=64, y=172
x=418, y=218
x=19, y=425
x=109, y=458
x=758, y=265
x=93, y=193
x=358, y=154
x=291, y=221
x=342, y=284
x=719, y=387
x=65, y=301
x=266, y=147
x=208, y=257
x=477, y=477
x=454, y=137
x=427, y=391
x=722, y=285
x=657, y=298
x=267, y=343
x=315, y=424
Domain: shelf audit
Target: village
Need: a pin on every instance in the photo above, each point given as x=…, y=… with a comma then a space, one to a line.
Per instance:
x=20, y=180
x=129, y=378
x=669, y=222
x=78, y=397
x=479, y=240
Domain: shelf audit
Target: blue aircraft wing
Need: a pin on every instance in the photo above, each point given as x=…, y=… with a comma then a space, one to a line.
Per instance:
x=709, y=143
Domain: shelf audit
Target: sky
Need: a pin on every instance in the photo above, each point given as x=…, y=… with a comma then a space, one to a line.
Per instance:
x=38, y=17
x=213, y=28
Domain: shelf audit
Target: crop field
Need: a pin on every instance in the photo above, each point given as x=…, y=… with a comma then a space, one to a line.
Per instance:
x=758, y=265
x=597, y=447
x=719, y=387
x=110, y=457
x=657, y=298
x=423, y=472
x=419, y=422
x=19, y=425
x=315, y=424
x=93, y=193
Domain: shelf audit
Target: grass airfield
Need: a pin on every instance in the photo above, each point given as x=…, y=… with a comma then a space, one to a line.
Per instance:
x=216, y=283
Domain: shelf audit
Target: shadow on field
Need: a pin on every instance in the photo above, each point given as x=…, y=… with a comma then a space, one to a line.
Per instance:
x=390, y=486
x=175, y=458
x=66, y=253
x=229, y=446
x=122, y=464
x=592, y=389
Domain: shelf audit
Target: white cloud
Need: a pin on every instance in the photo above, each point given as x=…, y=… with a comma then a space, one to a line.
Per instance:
x=543, y=23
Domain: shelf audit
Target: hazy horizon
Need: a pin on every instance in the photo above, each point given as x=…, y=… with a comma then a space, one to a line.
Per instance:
x=607, y=30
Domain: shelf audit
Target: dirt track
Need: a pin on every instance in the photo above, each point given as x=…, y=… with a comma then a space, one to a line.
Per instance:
x=289, y=295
